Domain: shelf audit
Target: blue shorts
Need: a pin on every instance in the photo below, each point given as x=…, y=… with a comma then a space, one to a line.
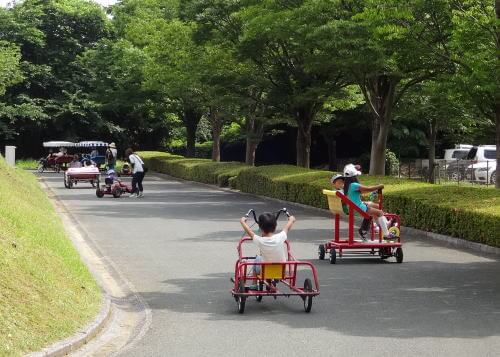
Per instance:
x=363, y=207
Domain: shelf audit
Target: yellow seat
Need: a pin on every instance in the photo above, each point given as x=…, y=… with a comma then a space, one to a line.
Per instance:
x=272, y=271
x=334, y=202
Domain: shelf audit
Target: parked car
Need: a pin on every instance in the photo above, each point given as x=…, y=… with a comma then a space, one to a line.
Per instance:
x=458, y=153
x=465, y=168
x=485, y=172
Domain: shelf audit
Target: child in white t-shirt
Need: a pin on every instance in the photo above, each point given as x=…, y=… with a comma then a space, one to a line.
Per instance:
x=271, y=245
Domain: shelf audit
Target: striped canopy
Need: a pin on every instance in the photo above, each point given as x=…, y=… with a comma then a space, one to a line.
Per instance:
x=87, y=144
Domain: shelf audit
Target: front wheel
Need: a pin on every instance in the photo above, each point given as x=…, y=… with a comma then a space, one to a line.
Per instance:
x=99, y=193
x=40, y=168
x=399, y=255
x=66, y=184
x=308, y=299
x=321, y=251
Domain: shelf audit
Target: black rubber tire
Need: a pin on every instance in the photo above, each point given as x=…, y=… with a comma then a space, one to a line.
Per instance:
x=70, y=183
x=308, y=300
x=117, y=192
x=333, y=256
x=261, y=288
x=99, y=193
x=66, y=182
x=399, y=255
x=241, y=300
x=321, y=252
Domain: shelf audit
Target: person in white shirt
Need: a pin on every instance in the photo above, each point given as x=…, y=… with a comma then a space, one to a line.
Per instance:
x=271, y=244
x=138, y=172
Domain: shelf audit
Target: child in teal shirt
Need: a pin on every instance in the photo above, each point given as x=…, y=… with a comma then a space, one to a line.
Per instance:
x=353, y=189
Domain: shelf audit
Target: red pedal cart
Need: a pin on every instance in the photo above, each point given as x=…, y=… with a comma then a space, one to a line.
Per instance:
x=272, y=278
x=88, y=174
x=338, y=245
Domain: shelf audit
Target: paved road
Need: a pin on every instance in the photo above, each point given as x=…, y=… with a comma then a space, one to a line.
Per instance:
x=177, y=247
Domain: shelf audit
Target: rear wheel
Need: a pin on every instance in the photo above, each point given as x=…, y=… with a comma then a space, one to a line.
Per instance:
x=333, y=256
x=241, y=300
x=399, y=255
x=117, y=192
x=321, y=251
x=99, y=193
x=66, y=184
x=308, y=300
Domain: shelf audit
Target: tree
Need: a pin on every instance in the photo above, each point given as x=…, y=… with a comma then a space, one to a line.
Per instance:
x=50, y=35
x=475, y=49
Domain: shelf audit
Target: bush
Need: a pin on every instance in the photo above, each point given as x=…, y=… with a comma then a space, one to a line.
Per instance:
x=471, y=213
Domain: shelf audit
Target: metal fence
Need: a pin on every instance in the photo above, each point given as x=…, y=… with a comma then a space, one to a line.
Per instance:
x=448, y=171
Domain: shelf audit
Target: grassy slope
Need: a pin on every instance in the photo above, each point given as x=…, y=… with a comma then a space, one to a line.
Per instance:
x=46, y=293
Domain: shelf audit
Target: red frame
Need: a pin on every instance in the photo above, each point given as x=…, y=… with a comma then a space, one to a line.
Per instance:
x=349, y=243
x=290, y=267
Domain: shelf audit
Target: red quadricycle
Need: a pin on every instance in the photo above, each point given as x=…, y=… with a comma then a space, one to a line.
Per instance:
x=376, y=243
x=256, y=279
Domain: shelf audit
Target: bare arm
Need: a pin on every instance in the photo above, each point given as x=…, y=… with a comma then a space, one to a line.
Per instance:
x=245, y=226
x=289, y=224
x=363, y=189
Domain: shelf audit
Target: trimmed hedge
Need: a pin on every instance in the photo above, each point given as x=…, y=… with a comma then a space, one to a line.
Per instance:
x=471, y=213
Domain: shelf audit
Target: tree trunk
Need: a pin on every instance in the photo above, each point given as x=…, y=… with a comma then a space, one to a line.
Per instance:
x=191, y=118
x=332, y=154
x=304, y=117
x=379, y=94
x=432, y=151
x=254, y=132
x=216, y=122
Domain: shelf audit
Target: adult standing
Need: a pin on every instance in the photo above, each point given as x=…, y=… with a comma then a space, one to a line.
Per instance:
x=138, y=172
x=111, y=155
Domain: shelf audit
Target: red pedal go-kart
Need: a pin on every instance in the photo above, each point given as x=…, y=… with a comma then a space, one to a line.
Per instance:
x=115, y=188
x=274, y=279
x=385, y=248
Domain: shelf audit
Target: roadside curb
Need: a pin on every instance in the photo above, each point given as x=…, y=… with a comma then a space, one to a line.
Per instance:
x=412, y=232
x=81, y=337
x=124, y=317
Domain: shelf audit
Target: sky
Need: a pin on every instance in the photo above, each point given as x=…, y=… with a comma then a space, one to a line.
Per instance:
x=102, y=2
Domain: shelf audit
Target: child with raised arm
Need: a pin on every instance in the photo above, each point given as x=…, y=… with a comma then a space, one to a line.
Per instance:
x=353, y=189
x=271, y=244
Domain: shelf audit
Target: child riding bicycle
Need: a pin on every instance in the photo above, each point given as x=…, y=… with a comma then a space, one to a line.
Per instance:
x=271, y=244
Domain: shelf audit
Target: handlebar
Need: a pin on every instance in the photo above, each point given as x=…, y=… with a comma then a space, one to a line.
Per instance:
x=283, y=210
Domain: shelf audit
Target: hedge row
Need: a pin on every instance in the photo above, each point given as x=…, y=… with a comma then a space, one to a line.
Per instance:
x=471, y=213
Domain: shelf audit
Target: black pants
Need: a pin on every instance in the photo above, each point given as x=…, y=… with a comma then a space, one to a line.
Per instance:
x=137, y=181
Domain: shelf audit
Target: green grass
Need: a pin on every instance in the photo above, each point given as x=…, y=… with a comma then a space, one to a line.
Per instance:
x=471, y=212
x=46, y=293
x=27, y=164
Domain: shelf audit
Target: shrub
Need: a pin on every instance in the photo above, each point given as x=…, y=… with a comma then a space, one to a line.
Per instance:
x=472, y=213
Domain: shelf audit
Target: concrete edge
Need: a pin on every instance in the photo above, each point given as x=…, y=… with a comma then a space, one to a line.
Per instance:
x=81, y=337
x=412, y=232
